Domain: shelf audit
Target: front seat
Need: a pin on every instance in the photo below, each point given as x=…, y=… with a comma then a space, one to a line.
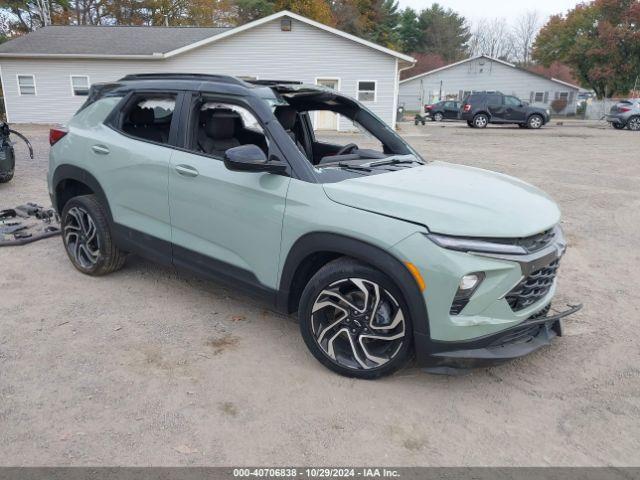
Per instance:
x=287, y=117
x=141, y=125
x=219, y=133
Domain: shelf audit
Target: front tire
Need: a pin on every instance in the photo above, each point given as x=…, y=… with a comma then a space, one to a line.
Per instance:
x=355, y=321
x=618, y=126
x=470, y=123
x=634, y=124
x=535, y=121
x=6, y=176
x=87, y=237
x=480, y=121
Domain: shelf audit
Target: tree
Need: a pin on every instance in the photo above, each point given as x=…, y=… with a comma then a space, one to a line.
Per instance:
x=443, y=32
x=600, y=41
x=373, y=20
x=425, y=62
x=409, y=33
x=525, y=31
x=249, y=10
x=493, y=38
x=318, y=10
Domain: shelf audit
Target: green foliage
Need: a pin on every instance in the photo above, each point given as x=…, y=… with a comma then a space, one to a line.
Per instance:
x=409, y=31
x=443, y=32
x=249, y=10
x=600, y=41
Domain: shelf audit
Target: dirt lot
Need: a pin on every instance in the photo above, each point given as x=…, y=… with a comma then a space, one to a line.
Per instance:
x=151, y=367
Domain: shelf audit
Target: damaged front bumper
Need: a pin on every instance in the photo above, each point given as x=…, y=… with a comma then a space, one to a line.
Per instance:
x=509, y=344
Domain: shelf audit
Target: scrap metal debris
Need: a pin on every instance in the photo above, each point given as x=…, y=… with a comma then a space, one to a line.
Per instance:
x=27, y=223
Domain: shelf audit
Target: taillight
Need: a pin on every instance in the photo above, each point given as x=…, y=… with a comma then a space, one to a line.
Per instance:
x=466, y=107
x=55, y=134
x=623, y=109
x=428, y=107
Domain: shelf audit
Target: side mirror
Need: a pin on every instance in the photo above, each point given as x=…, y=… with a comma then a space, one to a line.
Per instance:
x=251, y=158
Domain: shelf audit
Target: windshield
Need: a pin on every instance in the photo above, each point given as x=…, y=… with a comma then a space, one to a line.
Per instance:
x=338, y=133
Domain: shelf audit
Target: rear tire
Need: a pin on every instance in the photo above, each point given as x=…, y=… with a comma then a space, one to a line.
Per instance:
x=438, y=117
x=480, y=120
x=87, y=237
x=6, y=176
x=634, y=124
x=522, y=125
x=618, y=126
x=470, y=123
x=355, y=321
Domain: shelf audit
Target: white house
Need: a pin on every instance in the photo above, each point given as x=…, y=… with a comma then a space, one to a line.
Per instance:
x=483, y=73
x=46, y=74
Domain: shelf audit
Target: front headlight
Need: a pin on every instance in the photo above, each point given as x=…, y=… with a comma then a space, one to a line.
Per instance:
x=465, y=244
x=548, y=111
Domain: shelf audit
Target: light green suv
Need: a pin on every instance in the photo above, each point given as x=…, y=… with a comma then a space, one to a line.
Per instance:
x=382, y=254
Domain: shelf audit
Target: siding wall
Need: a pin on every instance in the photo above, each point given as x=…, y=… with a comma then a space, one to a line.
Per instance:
x=304, y=54
x=488, y=76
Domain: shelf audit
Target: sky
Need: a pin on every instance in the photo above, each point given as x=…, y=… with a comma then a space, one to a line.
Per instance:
x=474, y=10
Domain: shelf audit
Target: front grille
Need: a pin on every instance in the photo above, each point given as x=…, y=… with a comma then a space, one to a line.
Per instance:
x=533, y=288
x=539, y=241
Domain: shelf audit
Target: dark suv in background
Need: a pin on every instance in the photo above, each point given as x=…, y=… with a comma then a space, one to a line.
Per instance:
x=480, y=109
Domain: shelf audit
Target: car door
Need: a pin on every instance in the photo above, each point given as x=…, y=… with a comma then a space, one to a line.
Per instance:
x=515, y=110
x=133, y=153
x=496, y=107
x=226, y=224
x=450, y=110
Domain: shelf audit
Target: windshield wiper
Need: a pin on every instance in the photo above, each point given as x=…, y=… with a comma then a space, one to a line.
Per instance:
x=393, y=161
x=354, y=167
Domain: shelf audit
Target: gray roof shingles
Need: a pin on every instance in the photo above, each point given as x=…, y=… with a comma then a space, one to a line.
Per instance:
x=107, y=40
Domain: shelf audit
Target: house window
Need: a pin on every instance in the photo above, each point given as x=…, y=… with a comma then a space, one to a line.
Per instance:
x=367, y=90
x=539, y=97
x=564, y=95
x=79, y=85
x=27, y=84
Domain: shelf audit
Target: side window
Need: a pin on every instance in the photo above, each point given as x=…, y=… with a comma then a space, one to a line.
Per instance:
x=367, y=91
x=26, y=84
x=218, y=126
x=148, y=117
x=79, y=85
x=494, y=100
x=511, y=102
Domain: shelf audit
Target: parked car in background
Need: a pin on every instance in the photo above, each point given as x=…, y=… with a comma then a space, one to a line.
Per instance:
x=625, y=113
x=445, y=110
x=481, y=109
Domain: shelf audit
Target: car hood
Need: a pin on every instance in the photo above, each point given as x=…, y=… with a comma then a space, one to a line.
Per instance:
x=452, y=199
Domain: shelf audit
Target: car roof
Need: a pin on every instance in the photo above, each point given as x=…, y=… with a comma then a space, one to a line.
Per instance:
x=207, y=83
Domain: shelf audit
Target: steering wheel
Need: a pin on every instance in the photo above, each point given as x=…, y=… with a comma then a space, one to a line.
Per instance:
x=348, y=148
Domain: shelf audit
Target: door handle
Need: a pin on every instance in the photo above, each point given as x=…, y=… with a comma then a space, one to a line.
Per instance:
x=101, y=149
x=186, y=170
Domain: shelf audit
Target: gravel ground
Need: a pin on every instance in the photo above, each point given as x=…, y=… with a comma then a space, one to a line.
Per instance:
x=151, y=367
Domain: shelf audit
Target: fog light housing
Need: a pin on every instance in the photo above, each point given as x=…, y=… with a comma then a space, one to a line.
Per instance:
x=469, y=282
x=466, y=288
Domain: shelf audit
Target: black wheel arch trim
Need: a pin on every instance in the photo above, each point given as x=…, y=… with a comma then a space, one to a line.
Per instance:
x=71, y=172
x=313, y=243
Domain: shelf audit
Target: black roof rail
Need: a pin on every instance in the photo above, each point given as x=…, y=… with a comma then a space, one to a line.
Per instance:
x=183, y=76
x=274, y=82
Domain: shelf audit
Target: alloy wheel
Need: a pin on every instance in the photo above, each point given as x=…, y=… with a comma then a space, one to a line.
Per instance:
x=81, y=238
x=438, y=117
x=358, y=324
x=480, y=121
x=535, y=122
x=634, y=124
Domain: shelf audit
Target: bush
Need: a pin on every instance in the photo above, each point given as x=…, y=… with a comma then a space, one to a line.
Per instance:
x=559, y=104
